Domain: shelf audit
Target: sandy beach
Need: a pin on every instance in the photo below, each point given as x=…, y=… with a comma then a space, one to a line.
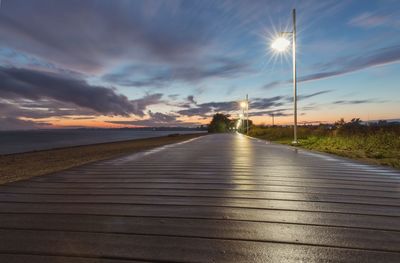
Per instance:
x=15, y=167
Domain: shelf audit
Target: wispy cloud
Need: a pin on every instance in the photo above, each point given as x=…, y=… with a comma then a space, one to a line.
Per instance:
x=145, y=76
x=375, y=58
x=157, y=119
x=307, y=96
x=352, y=102
x=369, y=19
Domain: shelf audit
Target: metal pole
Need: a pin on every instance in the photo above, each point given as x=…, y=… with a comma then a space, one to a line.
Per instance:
x=273, y=121
x=247, y=112
x=243, y=116
x=294, y=78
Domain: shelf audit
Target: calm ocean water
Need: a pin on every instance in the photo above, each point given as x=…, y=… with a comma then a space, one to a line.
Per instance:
x=26, y=141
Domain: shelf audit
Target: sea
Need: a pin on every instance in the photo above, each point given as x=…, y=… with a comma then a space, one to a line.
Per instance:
x=36, y=140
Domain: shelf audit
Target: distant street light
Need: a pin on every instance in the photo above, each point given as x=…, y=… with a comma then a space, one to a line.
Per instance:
x=245, y=106
x=247, y=111
x=280, y=44
x=273, y=119
x=238, y=123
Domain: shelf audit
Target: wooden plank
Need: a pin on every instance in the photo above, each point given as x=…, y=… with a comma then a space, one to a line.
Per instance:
x=387, y=185
x=207, y=212
x=216, y=189
x=32, y=258
x=216, y=229
x=338, y=198
x=210, y=201
x=187, y=174
x=177, y=249
x=227, y=185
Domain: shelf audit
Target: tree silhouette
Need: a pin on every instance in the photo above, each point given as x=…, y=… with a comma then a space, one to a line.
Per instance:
x=220, y=123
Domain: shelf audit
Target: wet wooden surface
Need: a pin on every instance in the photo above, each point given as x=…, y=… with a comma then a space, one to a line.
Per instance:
x=218, y=198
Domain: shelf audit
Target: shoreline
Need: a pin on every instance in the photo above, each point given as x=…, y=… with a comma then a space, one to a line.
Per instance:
x=21, y=166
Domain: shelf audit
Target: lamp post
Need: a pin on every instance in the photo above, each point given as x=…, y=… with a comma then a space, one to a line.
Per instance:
x=280, y=44
x=273, y=120
x=245, y=113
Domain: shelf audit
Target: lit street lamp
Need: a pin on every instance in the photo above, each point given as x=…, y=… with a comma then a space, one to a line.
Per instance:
x=245, y=106
x=280, y=44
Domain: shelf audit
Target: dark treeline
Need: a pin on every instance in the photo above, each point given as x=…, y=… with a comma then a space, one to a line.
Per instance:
x=223, y=123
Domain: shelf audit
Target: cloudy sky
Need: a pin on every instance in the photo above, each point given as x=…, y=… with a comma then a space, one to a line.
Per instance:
x=95, y=63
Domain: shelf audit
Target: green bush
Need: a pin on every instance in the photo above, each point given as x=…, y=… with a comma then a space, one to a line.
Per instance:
x=219, y=123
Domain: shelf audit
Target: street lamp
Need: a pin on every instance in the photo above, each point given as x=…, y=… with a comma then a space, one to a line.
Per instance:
x=238, y=123
x=245, y=106
x=280, y=44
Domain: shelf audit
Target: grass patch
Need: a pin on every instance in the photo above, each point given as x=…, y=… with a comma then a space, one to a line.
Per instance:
x=371, y=144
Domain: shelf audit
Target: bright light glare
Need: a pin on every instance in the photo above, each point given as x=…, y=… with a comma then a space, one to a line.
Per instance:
x=243, y=104
x=280, y=44
x=238, y=124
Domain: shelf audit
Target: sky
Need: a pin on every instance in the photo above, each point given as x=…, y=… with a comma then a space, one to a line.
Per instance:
x=123, y=63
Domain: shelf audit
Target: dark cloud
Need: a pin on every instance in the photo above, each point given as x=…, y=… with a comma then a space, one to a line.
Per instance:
x=275, y=113
x=351, y=102
x=150, y=99
x=307, y=96
x=17, y=110
x=198, y=111
x=265, y=103
x=207, y=109
x=41, y=109
x=311, y=107
x=143, y=76
x=35, y=85
x=222, y=68
x=190, y=98
x=173, y=96
x=157, y=119
x=161, y=117
x=82, y=118
x=346, y=65
x=273, y=84
x=188, y=103
x=96, y=32
x=129, y=79
x=12, y=58
x=9, y=123
x=258, y=106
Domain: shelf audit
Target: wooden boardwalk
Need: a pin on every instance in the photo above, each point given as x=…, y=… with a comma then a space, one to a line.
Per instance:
x=217, y=198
